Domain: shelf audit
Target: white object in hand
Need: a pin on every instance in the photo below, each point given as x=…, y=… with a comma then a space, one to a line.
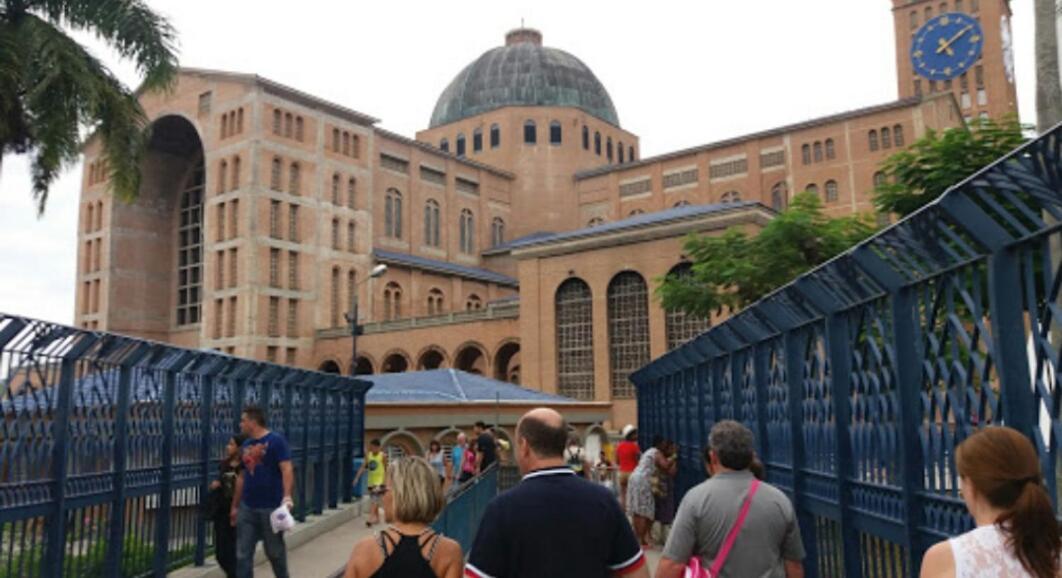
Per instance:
x=281, y=519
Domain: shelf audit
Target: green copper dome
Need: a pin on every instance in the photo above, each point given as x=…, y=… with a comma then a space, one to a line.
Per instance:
x=523, y=73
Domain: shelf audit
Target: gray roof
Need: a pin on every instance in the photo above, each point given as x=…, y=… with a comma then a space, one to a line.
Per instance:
x=451, y=386
x=635, y=222
x=444, y=267
x=523, y=73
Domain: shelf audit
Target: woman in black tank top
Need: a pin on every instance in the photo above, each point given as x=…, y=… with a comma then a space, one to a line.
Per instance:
x=408, y=548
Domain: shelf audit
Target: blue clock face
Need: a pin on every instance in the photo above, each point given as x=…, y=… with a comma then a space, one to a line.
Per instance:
x=946, y=46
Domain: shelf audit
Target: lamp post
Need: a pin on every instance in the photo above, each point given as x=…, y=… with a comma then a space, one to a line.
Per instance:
x=352, y=316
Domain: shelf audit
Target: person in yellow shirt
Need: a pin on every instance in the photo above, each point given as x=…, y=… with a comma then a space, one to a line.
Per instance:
x=376, y=466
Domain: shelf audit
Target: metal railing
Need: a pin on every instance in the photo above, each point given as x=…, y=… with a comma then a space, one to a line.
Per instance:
x=108, y=444
x=460, y=519
x=861, y=377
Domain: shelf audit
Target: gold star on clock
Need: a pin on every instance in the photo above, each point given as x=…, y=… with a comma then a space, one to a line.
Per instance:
x=944, y=20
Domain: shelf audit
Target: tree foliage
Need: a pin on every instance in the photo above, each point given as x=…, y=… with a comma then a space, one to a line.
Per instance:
x=919, y=174
x=52, y=88
x=735, y=269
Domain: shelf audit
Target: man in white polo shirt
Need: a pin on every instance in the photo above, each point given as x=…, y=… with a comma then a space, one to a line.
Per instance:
x=553, y=523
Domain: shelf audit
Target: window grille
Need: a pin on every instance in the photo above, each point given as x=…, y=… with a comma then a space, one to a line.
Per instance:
x=628, y=330
x=575, y=340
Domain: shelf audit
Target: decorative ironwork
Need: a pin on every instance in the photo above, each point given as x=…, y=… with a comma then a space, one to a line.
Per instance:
x=575, y=340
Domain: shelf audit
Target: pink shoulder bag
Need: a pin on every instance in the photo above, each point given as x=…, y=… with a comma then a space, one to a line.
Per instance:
x=694, y=568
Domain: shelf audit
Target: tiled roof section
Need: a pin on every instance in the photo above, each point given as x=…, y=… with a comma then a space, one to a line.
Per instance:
x=451, y=386
x=446, y=268
x=428, y=147
x=289, y=93
x=904, y=103
x=635, y=222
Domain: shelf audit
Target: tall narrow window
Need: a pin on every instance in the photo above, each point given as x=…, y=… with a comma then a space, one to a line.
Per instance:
x=234, y=268
x=293, y=223
x=230, y=319
x=190, y=248
x=352, y=286
x=597, y=143
x=460, y=144
x=274, y=219
x=879, y=180
x=274, y=174
x=886, y=138
x=497, y=232
x=628, y=329
x=393, y=214
x=779, y=196
x=477, y=140
x=293, y=270
x=813, y=189
x=350, y=237
x=495, y=136
x=608, y=149
x=288, y=124
x=234, y=218
x=392, y=298
x=914, y=19
x=435, y=301
x=817, y=147
x=225, y=126
x=346, y=143
x=336, y=308
x=918, y=87
x=294, y=179
x=293, y=317
x=274, y=316
x=630, y=154
x=352, y=186
x=872, y=140
x=335, y=140
x=298, y=128
x=219, y=317
x=335, y=234
x=89, y=220
x=586, y=138
x=276, y=121
x=335, y=189
x=832, y=194
x=274, y=267
x=575, y=339
x=805, y=154
x=679, y=325
x=830, y=152
x=236, y=171
x=530, y=132
x=239, y=120
x=219, y=226
x=431, y=223
x=554, y=133
x=223, y=175
x=467, y=231
x=619, y=151
x=473, y=303
x=219, y=271
x=444, y=145
x=897, y=135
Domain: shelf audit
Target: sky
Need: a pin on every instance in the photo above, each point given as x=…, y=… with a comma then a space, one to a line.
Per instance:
x=679, y=73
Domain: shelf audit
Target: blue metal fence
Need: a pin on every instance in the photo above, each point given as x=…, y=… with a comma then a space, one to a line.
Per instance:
x=460, y=519
x=108, y=444
x=861, y=377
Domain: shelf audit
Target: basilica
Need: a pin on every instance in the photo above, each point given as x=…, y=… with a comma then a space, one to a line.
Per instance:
x=522, y=231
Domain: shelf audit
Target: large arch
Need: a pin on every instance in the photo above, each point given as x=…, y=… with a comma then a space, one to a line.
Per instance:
x=400, y=438
x=432, y=357
x=471, y=357
x=628, y=330
x=329, y=366
x=507, y=361
x=396, y=361
x=574, y=319
x=364, y=365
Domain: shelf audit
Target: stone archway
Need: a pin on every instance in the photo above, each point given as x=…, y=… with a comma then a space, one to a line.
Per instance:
x=401, y=443
x=471, y=358
x=395, y=362
x=364, y=366
x=329, y=366
x=431, y=357
x=507, y=362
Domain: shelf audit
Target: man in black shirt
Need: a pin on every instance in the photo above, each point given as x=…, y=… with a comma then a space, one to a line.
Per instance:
x=486, y=452
x=553, y=523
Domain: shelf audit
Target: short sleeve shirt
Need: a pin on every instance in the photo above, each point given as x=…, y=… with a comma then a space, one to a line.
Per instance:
x=769, y=536
x=263, y=486
x=554, y=524
x=485, y=446
x=627, y=455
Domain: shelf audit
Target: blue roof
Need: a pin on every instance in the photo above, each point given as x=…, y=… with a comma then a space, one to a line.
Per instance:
x=635, y=222
x=416, y=262
x=450, y=386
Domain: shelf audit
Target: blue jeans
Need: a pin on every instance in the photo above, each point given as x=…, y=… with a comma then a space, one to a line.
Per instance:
x=252, y=525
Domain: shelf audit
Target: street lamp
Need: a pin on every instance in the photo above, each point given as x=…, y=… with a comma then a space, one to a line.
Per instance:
x=352, y=315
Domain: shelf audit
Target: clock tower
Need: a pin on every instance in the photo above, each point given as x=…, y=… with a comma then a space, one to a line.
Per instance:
x=986, y=89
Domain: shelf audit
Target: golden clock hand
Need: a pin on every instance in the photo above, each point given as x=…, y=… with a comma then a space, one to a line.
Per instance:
x=946, y=45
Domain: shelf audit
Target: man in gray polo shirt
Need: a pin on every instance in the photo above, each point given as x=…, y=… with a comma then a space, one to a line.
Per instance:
x=768, y=545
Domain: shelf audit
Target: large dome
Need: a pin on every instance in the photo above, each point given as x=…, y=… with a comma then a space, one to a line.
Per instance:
x=523, y=73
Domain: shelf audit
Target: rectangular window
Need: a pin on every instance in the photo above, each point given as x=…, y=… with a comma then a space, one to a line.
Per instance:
x=293, y=223
x=636, y=188
x=219, y=271
x=204, y=103
x=772, y=159
x=728, y=168
x=271, y=354
x=350, y=236
x=233, y=280
x=982, y=97
x=964, y=100
x=219, y=226
x=274, y=267
x=293, y=270
x=466, y=186
x=231, y=319
x=477, y=141
x=234, y=218
x=918, y=87
x=289, y=358
x=394, y=164
x=680, y=178
x=274, y=317
x=293, y=317
x=274, y=219
x=335, y=234
x=219, y=317
x=432, y=176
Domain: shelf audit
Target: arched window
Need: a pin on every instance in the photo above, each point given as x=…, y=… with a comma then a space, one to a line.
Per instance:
x=897, y=135
x=444, y=145
x=914, y=19
x=189, y=249
x=886, y=139
x=619, y=152
x=554, y=133
x=274, y=174
x=473, y=303
x=497, y=232
x=929, y=13
x=630, y=154
x=495, y=136
x=628, y=330
x=679, y=325
x=818, y=151
x=682, y=203
x=352, y=286
x=298, y=128
x=235, y=172
x=805, y=154
x=335, y=140
x=872, y=140
x=288, y=124
x=239, y=121
x=530, y=132
x=225, y=125
x=223, y=175
x=459, y=143
x=830, y=152
x=597, y=143
x=574, y=316
x=89, y=220
x=730, y=197
x=813, y=189
x=779, y=196
x=335, y=234
x=352, y=188
x=335, y=189
x=608, y=149
x=276, y=121
x=586, y=138
x=595, y=222
x=635, y=213
x=832, y=194
x=467, y=231
x=392, y=301
x=435, y=302
x=879, y=180
x=351, y=237
x=958, y=6
x=431, y=223
x=477, y=140
x=336, y=305
x=294, y=179
x=346, y=143
x=393, y=214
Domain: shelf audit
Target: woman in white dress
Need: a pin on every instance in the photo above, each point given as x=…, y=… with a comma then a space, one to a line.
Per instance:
x=1017, y=535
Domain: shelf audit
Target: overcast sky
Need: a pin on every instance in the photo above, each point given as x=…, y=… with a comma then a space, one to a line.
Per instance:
x=679, y=73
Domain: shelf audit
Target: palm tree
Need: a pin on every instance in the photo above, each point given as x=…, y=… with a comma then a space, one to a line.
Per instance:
x=1048, y=89
x=52, y=88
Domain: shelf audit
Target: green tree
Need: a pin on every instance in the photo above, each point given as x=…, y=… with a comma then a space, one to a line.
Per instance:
x=918, y=175
x=52, y=88
x=735, y=269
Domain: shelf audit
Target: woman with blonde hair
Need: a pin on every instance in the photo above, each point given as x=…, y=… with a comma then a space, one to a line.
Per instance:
x=1017, y=535
x=408, y=548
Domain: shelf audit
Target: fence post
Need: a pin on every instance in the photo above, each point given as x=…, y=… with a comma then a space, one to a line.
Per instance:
x=795, y=342
x=162, y=523
x=206, y=409
x=347, y=478
x=116, y=524
x=907, y=345
x=304, y=470
x=762, y=353
x=320, y=466
x=335, y=473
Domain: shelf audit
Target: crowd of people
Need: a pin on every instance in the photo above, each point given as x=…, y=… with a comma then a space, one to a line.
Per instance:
x=573, y=516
